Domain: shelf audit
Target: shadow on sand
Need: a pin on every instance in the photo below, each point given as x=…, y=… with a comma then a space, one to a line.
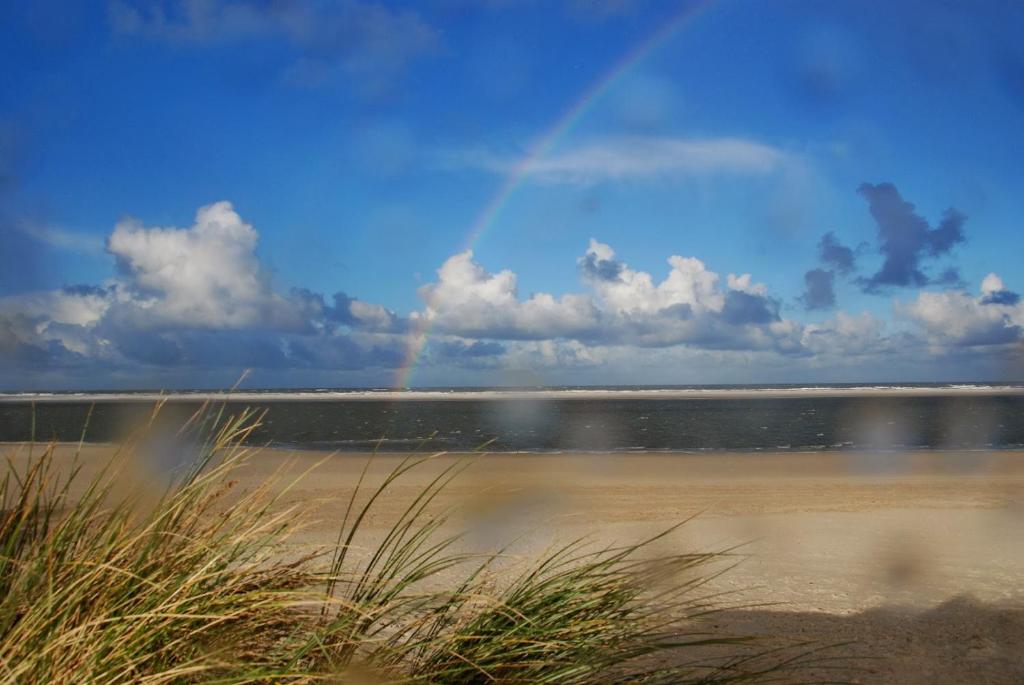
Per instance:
x=960, y=641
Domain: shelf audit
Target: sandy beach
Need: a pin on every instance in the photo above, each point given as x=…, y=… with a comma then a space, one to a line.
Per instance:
x=915, y=559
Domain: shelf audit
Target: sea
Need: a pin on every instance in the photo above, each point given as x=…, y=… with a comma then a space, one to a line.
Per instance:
x=973, y=416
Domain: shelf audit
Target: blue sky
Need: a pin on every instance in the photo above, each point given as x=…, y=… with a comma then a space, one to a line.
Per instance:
x=357, y=142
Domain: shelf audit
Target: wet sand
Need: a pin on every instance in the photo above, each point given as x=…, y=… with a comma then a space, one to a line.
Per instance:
x=916, y=558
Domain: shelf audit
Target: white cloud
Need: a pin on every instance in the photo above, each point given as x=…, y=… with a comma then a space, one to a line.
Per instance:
x=624, y=306
x=553, y=354
x=67, y=317
x=468, y=301
x=956, y=318
x=992, y=284
x=206, y=275
x=744, y=284
x=196, y=296
x=626, y=292
x=372, y=315
x=847, y=335
x=60, y=306
x=203, y=276
x=199, y=297
x=635, y=157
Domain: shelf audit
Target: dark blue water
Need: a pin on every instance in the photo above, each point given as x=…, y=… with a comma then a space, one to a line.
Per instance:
x=791, y=423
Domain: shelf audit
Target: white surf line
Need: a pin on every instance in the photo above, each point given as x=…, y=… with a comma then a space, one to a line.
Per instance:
x=492, y=394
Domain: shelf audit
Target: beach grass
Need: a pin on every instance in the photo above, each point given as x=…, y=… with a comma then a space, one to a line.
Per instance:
x=202, y=583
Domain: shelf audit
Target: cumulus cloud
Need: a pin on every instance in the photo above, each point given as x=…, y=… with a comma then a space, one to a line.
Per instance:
x=634, y=157
x=556, y=355
x=470, y=302
x=364, y=315
x=196, y=297
x=835, y=255
x=848, y=335
x=56, y=324
x=819, y=283
x=905, y=239
x=366, y=40
x=956, y=318
x=206, y=275
x=599, y=263
x=467, y=354
x=689, y=287
x=819, y=289
x=994, y=292
x=745, y=308
x=623, y=306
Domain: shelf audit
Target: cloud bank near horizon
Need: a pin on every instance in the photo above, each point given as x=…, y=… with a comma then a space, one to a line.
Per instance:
x=199, y=298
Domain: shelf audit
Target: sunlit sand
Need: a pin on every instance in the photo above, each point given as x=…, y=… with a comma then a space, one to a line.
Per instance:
x=916, y=557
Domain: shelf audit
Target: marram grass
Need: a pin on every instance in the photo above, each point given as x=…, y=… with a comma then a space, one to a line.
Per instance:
x=99, y=586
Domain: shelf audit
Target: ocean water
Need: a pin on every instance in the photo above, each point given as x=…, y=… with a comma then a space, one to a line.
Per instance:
x=570, y=419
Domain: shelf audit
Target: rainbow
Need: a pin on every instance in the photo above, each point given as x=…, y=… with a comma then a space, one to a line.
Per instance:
x=536, y=151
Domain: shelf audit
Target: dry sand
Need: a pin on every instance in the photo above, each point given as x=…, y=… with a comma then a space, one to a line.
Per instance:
x=915, y=558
